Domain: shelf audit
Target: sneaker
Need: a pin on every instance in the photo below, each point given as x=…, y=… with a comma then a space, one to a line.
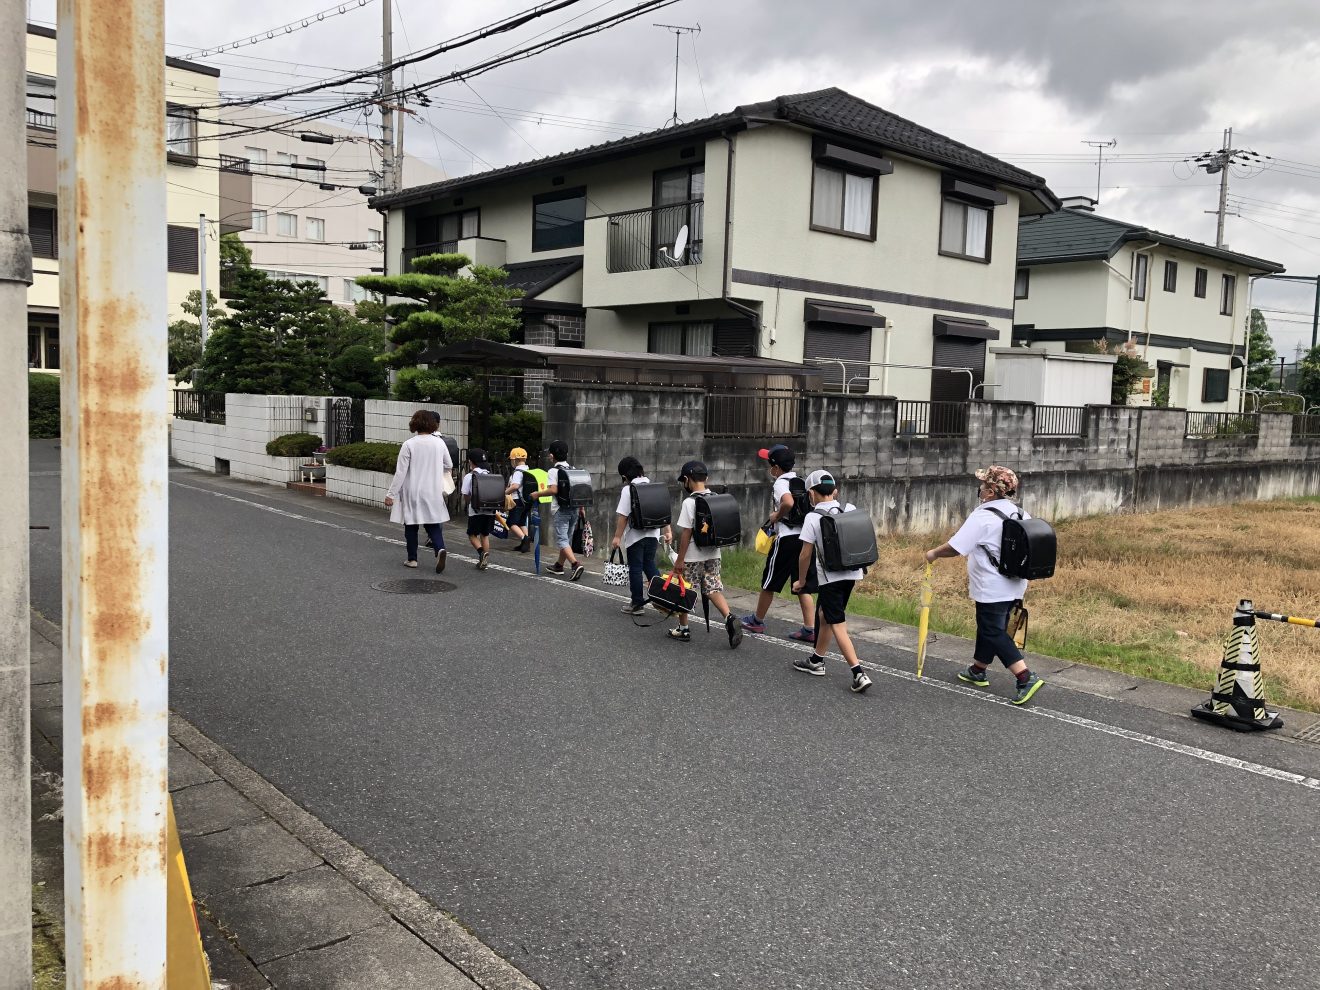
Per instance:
x=1027, y=691
x=483, y=560
x=810, y=665
x=631, y=609
x=681, y=633
x=556, y=568
x=804, y=635
x=860, y=681
x=524, y=546
x=410, y=563
x=734, y=626
x=440, y=561
x=752, y=624
x=578, y=571
x=974, y=677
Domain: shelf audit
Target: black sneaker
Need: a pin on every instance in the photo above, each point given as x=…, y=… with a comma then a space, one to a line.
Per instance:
x=733, y=625
x=440, y=561
x=556, y=568
x=974, y=677
x=578, y=571
x=681, y=633
x=810, y=665
x=860, y=681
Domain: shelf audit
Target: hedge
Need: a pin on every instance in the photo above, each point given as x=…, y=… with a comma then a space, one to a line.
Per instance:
x=43, y=406
x=294, y=445
x=366, y=456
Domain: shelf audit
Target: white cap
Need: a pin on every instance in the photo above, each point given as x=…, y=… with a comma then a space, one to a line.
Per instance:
x=818, y=478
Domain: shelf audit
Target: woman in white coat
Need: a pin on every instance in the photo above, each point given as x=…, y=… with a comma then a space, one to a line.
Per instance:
x=417, y=494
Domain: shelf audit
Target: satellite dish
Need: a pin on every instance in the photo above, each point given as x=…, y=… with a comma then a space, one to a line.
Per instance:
x=680, y=244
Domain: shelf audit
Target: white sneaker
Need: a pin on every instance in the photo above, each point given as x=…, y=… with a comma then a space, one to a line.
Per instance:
x=410, y=563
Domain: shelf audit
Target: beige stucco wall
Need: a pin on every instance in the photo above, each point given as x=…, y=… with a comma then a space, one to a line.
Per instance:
x=1075, y=294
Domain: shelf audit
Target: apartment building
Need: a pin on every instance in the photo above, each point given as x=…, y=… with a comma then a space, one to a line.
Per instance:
x=196, y=186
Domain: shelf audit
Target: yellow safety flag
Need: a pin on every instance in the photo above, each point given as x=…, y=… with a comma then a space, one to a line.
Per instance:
x=186, y=967
x=923, y=623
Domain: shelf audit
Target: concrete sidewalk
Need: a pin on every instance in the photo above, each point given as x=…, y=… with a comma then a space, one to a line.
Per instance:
x=282, y=900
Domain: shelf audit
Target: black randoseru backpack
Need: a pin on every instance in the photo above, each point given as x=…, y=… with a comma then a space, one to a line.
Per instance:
x=797, y=487
x=530, y=485
x=719, y=522
x=573, y=488
x=1027, y=547
x=651, y=506
x=488, y=492
x=847, y=540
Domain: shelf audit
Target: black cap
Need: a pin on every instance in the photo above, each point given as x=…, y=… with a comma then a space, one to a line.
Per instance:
x=780, y=455
x=694, y=470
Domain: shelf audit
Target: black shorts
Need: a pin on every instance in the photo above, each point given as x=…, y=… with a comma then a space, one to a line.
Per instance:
x=781, y=566
x=517, y=515
x=480, y=525
x=832, y=601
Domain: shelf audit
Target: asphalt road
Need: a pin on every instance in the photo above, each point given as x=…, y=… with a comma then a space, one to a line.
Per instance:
x=606, y=808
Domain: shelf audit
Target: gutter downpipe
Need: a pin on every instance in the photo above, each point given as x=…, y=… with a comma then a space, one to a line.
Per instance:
x=726, y=275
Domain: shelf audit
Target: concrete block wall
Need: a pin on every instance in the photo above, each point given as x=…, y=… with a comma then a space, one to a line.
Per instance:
x=352, y=485
x=387, y=420
x=251, y=421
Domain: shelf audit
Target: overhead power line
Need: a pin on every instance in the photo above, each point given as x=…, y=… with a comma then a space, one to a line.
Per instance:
x=283, y=29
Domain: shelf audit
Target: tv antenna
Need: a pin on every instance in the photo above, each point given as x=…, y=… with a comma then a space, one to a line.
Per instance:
x=1100, y=147
x=679, y=30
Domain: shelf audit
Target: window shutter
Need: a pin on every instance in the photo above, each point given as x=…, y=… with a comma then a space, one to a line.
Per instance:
x=734, y=338
x=181, y=250
x=44, y=232
x=956, y=352
x=849, y=344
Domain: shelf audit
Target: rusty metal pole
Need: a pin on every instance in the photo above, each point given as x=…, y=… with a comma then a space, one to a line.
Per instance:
x=111, y=98
x=15, y=276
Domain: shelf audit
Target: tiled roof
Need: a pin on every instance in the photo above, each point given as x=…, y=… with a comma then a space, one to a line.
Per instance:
x=831, y=110
x=534, y=277
x=1079, y=235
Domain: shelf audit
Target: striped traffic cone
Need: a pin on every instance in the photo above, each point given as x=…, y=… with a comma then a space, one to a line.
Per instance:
x=1238, y=698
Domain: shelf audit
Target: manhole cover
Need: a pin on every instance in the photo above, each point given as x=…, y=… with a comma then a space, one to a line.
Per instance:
x=413, y=586
x=1310, y=734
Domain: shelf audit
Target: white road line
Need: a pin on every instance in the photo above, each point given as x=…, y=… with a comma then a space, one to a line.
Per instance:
x=1118, y=732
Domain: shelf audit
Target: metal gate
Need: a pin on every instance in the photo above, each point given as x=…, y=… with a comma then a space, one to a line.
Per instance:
x=348, y=421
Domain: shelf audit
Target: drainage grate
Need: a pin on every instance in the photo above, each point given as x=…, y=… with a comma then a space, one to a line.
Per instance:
x=413, y=586
x=1310, y=734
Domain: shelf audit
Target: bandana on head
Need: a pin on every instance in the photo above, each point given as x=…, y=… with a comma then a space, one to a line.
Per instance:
x=1000, y=480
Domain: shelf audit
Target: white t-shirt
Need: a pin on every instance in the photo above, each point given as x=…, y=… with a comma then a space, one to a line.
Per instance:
x=467, y=488
x=630, y=535
x=780, y=490
x=980, y=531
x=516, y=478
x=552, y=479
x=687, y=519
x=811, y=534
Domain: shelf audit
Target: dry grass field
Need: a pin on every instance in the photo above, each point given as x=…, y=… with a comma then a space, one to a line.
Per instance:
x=1150, y=595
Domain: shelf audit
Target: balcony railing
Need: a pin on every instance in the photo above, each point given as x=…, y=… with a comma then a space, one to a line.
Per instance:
x=38, y=118
x=421, y=250
x=233, y=163
x=931, y=419
x=198, y=406
x=1059, y=421
x=1222, y=425
x=755, y=413
x=643, y=239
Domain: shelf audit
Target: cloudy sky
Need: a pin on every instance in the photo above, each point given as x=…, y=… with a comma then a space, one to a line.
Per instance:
x=1026, y=80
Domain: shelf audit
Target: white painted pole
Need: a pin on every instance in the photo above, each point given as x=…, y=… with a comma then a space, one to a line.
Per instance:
x=15, y=276
x=111, y=138
x=204, y=319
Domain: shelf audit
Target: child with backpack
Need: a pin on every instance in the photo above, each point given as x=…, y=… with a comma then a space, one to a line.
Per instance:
x=979, y=539
x=517, y=519
x=480, y=523
x=565, y=515
x=834, y=587
x=698, y=562
x=791, y=505
x=639, y=545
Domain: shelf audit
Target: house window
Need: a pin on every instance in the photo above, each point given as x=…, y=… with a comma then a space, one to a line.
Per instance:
x=34, y=347
x=44, y=231
x=965, y=231
x=257, y=156
x=1140, y=274
x=1171, y=276
x=1022, y=283
x=323, y=281
x=181, y=249
x=317, y=168
x=284, y=165
x=181, y=133
x=1215, y=386
x=443, y=232
x=1202, y=280
x=842, y=202
x=41, y=101
x=259, y=221
x=354, y=293
x=692, y=339
x=286, y=224
x=315, y=229
x=557, y=219
x=373, y=236
x=52, y=338
x=677, y=196
x=1228, y=288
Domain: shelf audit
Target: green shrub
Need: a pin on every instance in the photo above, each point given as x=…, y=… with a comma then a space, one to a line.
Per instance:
x=294, y=445
x=366, y=456
x=515, y=429
x=43, y=406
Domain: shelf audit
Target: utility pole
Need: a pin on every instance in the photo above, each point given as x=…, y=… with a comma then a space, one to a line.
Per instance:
x=1100, y=147
x=1220, y=162
x=115, y=483
x=679, y=30
x=387, y=184
x=1223, y=189
x=15, y=622
x=203, y=318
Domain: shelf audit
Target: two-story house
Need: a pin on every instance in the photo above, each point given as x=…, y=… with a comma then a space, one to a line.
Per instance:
x=813, y=228
x=195, y=186
x=1083, y=277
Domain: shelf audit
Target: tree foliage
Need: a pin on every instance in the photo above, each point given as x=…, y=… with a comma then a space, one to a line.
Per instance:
x=185, y=335
x=1261, y=356
x=1308, y=377
x=1129, y=369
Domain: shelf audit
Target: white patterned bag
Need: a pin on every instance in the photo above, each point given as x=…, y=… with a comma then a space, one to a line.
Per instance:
x=616, y=571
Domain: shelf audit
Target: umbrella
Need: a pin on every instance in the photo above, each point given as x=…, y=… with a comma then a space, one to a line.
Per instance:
x=923, y=623
x=536, y=538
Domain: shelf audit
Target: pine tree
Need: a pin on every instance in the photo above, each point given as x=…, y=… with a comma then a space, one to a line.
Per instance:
x=1261, y=356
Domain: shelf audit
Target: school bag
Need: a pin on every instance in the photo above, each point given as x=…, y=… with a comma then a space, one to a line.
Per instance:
x=847, y=539
x=487, y=493
x=573, y=488
x=797, y=487
x=1027, y=547
x=718, y=523
x=651, y=507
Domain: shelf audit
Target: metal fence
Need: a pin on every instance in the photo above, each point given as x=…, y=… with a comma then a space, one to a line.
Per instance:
x=932, y=419
x=644, y=239
x=1059, y=421
x=755, y=413
x=1307, y=426
x=409, y=254
x=198, y=406
x=1222, y=425
x=348, y=422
